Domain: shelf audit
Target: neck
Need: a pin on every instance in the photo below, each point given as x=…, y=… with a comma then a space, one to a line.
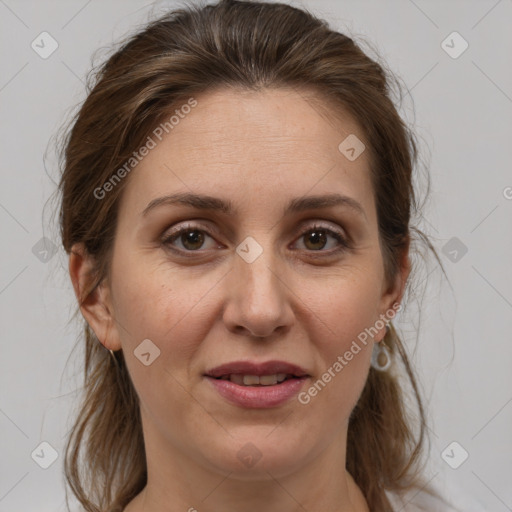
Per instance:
x=177, y=483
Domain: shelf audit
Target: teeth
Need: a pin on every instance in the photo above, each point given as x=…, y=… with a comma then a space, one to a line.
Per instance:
x=255, y=380
x=268, y=380
x=237, y=379
x=250, y=380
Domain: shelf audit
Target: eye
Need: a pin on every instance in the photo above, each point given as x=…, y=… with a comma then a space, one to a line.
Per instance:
x=192, y=238
x=317, y=237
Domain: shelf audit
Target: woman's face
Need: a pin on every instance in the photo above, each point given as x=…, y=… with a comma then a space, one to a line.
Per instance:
x=262, y=275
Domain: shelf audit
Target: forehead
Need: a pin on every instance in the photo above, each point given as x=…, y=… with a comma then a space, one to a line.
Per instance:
x=270, y=142
x=281, y=117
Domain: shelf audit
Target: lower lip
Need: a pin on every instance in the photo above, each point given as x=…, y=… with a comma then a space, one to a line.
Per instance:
x=258, y=397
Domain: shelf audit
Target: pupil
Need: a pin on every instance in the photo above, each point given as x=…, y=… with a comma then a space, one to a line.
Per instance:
x=192, y=237
x=317, y=237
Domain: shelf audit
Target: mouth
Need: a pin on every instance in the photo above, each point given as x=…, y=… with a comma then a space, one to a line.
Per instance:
x=257, y=385
x=257, y=372
x=257, y=380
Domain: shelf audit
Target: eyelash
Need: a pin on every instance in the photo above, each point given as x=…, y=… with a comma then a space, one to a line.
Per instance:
x=343, y=242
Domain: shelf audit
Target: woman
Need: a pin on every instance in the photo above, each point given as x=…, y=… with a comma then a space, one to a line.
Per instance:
x=236, y=204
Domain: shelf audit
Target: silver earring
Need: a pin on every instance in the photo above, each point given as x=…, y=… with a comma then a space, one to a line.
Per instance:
x=381, y=356
x=113, y=356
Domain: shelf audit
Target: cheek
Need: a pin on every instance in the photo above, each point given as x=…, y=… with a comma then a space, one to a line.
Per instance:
x=347, y=306
x=349, y=309
x=345, y=356
x=157, y=304
x=160, y=304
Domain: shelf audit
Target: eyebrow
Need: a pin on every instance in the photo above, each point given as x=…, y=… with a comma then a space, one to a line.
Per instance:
x=210, y=203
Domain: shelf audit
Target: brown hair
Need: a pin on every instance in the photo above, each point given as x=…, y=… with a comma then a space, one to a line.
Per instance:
x=250, y=45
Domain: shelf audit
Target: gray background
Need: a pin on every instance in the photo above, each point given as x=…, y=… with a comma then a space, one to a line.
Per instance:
x=463, y=113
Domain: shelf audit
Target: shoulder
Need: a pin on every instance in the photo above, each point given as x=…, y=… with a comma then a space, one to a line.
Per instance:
x=447, y=497
x=419, y=500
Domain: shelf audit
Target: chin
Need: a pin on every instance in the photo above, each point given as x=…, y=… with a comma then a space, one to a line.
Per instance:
x=260, y=454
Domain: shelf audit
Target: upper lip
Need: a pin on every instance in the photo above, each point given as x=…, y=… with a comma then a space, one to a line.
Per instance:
x=259, y=369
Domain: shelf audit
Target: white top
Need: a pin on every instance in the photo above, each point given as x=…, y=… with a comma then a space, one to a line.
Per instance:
x=454, y=499
x=414, y=501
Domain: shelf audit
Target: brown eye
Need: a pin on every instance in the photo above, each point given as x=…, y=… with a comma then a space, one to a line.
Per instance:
x=191, y=239
x=317, y=238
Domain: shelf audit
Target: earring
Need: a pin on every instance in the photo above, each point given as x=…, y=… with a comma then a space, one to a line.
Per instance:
x=381, y=356
x=114, y=359
x=112, y=355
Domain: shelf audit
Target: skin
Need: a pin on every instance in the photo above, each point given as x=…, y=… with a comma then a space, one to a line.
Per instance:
x=208, y=307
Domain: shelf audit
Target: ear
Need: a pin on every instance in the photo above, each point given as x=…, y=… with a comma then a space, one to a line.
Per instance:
x=97, y=306
x=393, y=292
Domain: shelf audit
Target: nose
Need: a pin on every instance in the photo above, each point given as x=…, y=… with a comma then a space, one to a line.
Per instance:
x=258, y=298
